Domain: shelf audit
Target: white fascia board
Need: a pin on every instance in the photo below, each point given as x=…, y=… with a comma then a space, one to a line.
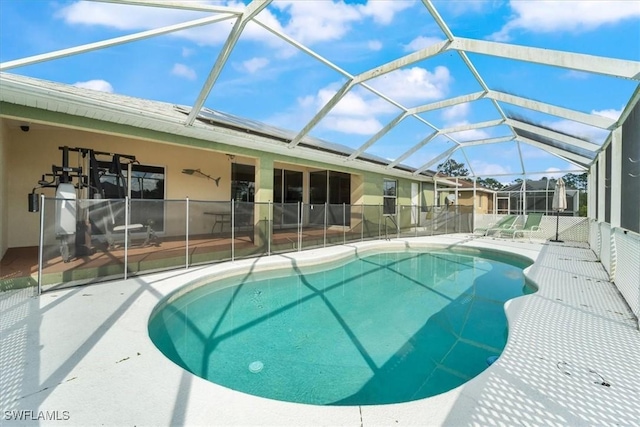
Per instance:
x=575, y=61
x=565, y=113
x=566, y=155
x=554, y=135
x=120, y=113
x=111, y=42
x=496, y=140
x=446, y=103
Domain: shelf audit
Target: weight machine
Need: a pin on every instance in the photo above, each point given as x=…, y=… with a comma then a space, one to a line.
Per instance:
x=76, y=223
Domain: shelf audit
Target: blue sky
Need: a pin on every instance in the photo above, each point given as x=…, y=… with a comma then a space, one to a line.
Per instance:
x=270, y=81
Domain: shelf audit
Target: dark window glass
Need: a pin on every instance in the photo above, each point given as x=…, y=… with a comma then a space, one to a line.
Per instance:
x=389, y=196
x=318, y=187
x=243, y=182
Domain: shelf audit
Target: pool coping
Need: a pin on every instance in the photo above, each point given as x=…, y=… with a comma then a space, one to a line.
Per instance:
x=86, y=351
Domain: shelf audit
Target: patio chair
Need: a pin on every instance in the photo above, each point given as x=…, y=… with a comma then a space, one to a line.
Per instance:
x=504, y=223
x=531, y=225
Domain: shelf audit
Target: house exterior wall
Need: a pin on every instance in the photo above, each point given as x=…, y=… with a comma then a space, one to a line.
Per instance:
x=29, y=155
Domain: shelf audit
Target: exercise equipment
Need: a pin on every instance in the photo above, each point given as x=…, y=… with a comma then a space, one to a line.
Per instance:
x=76, y=222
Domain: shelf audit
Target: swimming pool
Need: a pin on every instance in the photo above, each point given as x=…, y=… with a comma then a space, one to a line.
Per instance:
x=384, y=328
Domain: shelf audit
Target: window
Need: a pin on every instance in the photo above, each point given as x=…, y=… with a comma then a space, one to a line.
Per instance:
x=147, y=187
x=243, y=183
x=389, y=195
x=333, y=188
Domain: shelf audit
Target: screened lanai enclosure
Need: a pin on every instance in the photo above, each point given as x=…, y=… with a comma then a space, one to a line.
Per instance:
x=376, y=96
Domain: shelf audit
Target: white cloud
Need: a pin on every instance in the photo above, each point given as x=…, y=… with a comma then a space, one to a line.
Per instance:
x=481, y=167
x=610, y=113
x=421, y=42
x=254, y=64
x=576, y=75
x=455, y=113
x=415, y=84
x=469, y=135
x=182, y=70
x=352, y=125
x=383, y=12
x=186, y=52
x=374, y=45
x=556, y=16
x=99, y=85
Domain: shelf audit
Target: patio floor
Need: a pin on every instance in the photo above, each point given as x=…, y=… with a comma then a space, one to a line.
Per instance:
x=84, y=353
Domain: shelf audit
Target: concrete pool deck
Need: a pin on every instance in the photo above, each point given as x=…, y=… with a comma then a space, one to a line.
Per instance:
x=82, y=356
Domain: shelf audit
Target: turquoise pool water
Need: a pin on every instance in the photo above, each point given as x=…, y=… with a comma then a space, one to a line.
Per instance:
x=385, y=328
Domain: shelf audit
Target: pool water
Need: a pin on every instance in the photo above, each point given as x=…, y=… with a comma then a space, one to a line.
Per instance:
x=385, y=328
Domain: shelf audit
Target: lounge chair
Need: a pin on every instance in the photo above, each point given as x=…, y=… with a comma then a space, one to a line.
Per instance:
x=531, y=225
x=504, y=223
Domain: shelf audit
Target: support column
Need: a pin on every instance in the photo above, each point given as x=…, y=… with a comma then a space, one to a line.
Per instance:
x=264, y=195
x=616, y=176
x=592, y=188
x=602, y=169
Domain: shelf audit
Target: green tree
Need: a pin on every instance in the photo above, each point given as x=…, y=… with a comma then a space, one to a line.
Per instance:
x=579, y=182
x=453, y=168
x=491, y=183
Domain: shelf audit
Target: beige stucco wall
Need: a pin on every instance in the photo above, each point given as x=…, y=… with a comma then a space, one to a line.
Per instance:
x=4, y=207
x=28, y=155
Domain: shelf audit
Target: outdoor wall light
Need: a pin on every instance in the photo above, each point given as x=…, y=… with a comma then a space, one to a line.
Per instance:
x=198, y=172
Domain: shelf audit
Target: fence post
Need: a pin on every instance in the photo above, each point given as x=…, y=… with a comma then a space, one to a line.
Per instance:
x=233, y=226
x=379, y=219
x=41, y=244
x=186, y=250
x=344, y=223
x=299, y=228
x=398, y=222
x=269, y=227
x=362, y=223
x=126, y=236
x=326, y=207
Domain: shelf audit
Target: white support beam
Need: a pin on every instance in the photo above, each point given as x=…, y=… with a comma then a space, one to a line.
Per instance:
x=436, y=17
x=412, y=150
x=565, y=155
x=496, y=140
x=320, y=114
x=111, y=42
x=466, y=158
x=446, y=103
x=427, y=52
x=575, y=61
x=554, y=135
x=565, y=113
x=382, y=132
x=524, y=169
x=252, y=9
x=472, y=126
x=444, y=155
x=184, y=5
x=530, y=174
